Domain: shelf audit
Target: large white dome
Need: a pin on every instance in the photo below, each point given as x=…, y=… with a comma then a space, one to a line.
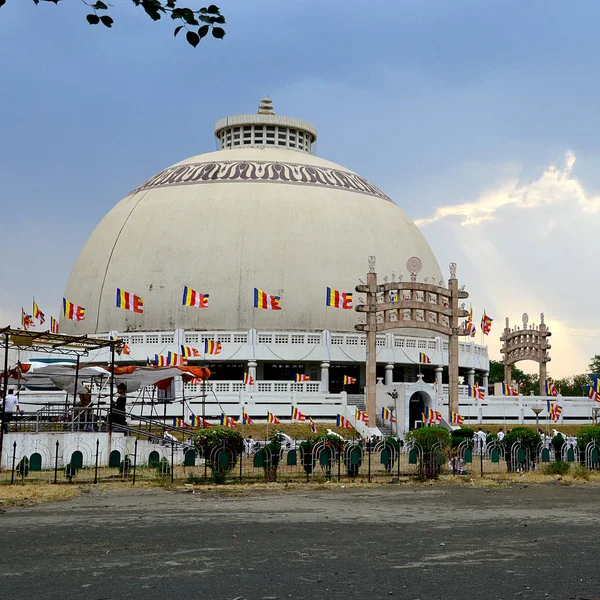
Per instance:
x=223, y=223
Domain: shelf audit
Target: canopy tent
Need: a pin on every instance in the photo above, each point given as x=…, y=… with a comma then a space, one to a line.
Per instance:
x=64, y=374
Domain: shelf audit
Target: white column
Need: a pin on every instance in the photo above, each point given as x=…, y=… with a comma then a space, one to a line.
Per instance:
x=325, y=377
x=485, y=381
x=252, y=372
x=471, y=376
x=439, y=372
x=389, y=374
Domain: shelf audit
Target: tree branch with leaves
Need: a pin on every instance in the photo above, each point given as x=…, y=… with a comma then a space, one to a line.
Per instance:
x=196, y=23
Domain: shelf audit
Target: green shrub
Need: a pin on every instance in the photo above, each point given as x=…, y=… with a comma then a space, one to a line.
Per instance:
x=434, y=441
x=460, y=435
x=585, y=435
x=272, y=455
x=229, y=439
x=560, y=467
x=530, y=440
x=558, y=441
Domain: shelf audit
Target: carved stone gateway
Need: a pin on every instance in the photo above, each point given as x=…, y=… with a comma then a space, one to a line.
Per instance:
x=527, y=343
x=411, y=305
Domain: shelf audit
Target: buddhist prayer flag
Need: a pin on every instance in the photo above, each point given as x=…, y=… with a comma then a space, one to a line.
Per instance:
x=387, y=415
x=228, y=421
x=338, y=299
x=271, y=418
x=476, y=392
x=200, y=422
x=126, y=349
x=180, y=423
x=26, y=320
x=431, y=417
x=266, y=301
x=343, y=422
x=53, y=325
x=313, y=426
x=468, y=324
x=297, y=415
x=248, y=379
x=550, y=389
x=456, y=419
x=593, y=394
x=72, y=311
x=175, y=360
x=423, y=358
x=555, y=410
x=212, y=347
x=188, y=351
x=486, y=323
x=129, y=301
x=158, y=361
x=193, y=298
x=246, y=420
x=302, y=377
x=361, y=416
x=38, y=314
x=508, y=390
x=349, y=380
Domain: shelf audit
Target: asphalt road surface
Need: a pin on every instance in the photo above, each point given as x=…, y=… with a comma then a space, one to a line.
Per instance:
x=536, y=541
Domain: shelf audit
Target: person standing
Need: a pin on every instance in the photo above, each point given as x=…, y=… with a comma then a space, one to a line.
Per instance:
x=120, y=406
x=11, y=406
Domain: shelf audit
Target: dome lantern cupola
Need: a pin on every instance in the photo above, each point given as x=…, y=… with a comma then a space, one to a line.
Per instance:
x=265, y=129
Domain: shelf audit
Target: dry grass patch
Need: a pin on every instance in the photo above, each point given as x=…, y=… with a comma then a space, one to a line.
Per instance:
x=36, y=493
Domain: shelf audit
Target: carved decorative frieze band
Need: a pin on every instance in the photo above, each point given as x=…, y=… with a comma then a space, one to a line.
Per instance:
x=245, y=171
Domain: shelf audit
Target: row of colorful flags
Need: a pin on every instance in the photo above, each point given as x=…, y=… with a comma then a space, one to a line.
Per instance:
x=486, y=324
x=27, y=320
x=594, y=392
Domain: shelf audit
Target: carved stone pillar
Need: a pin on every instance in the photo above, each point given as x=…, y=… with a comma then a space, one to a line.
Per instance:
x=389, y=374
x=471, y=377
x=485, y=381
x=325, y=377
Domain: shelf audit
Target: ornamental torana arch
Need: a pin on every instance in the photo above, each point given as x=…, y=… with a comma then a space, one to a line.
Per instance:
x=526, y=343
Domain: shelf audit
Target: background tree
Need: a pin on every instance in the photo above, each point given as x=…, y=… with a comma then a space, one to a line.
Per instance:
x=196, y=23
x=574, y=385
x=594, y=365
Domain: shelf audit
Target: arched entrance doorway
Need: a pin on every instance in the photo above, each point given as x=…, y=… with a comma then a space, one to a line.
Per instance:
x=416, y=407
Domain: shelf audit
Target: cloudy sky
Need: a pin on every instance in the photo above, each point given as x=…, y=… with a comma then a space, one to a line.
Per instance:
x=479, y=117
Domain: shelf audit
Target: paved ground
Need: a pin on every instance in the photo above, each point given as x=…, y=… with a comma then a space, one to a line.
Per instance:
x=537, y=541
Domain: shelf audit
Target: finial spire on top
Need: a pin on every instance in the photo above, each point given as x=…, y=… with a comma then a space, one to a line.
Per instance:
x=266, y=107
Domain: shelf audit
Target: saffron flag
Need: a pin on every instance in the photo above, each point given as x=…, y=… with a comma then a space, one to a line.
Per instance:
x=129, y=301
x=188, y=351
x=125, y=350
x=486, y=324
x=246, y=420
x=423, y=358
x=38, y=314
x=72, y=311
x=508, y=390
x=53, y=325
x=26, y=320
x=271, y=418
x=456, y=419
x=193, y=298
x=248, y=379
x=228, y=421
x=175, y=360
x=338, y=299
x=550, y=389
x=313, y=426
x=200, y=422
x=555, y=410
x=387, y=415
x=212, y=347
x=349, y=380
x=180, y=423
x=266, y=301
x=361, y=416
x=297, y=415
x=343, y=422
x=302, y=377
